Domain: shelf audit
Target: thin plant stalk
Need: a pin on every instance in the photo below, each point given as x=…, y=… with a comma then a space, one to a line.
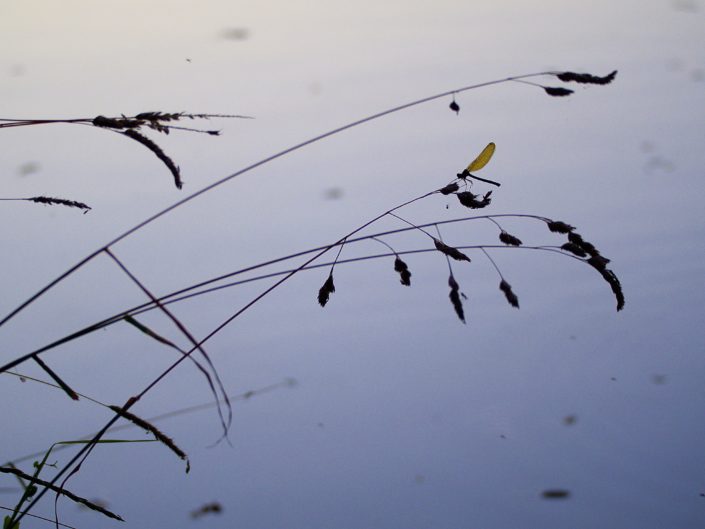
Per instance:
x=249, y=168
x=181, y=294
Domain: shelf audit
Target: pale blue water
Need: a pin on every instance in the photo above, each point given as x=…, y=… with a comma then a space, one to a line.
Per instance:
x=402, y=416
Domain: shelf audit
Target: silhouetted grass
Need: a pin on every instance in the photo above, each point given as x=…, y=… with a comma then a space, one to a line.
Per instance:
x=575, y=248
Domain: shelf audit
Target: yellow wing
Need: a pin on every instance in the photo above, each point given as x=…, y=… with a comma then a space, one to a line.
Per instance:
x=482, y=158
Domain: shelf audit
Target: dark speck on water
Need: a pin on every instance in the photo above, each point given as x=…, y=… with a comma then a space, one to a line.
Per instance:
x=555, y=494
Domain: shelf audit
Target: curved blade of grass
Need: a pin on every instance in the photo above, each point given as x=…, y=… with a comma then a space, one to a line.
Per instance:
x=63, y=385
x=56, y=522
x=149, y=332
x=70, y=495
x=251, y=167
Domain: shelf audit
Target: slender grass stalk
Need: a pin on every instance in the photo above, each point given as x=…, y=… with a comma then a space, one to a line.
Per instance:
x=49, y=520
x=186, y=293
x=251, y=167
x=24, y=378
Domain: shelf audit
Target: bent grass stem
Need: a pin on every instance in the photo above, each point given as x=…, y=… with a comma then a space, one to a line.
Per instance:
x=247, y=169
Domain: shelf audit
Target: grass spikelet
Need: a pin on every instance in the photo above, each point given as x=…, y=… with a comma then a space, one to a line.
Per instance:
x=509, y=239
x=403, y=270
x=598, y=262
x=557, y=91
x=326, y=290
x=450, y=188
x=52, y=201
x=455, y=298
x=115, y=123
x=451, y=252
x=60, y=490
x=144, y=140
x=509, y=294
x=469, y=200
x=574, y=249
x=578, y=240
x=158, y=121
x=158, y=434
x=609, y=276
x=586, y=78
x=556, y=226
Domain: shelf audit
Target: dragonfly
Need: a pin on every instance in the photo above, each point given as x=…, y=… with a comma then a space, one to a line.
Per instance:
x=478, y=163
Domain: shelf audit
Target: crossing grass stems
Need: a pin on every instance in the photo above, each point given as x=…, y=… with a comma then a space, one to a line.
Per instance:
x=573, y=246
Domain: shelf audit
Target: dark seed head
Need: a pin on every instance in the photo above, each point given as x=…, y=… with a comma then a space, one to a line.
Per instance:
x=61, y=202
x=612, y=280
x=509, y=294
x=598, y=262
x=450, y=188
x=509, y=239
x=578, y=240
x=574, y=249
x=557, y=91
x=556, y=226
x=470, y=200
x=451, y=252
x=455, y=298
x=326, y=290
x=403, y=270
x=586, y=78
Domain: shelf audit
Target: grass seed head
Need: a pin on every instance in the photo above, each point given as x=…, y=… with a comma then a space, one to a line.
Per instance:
x=403, y=270
x=158, y=434
x=325, y=291
x=598, y=262
x=470, y=200
x=557, y=91
x=609, y=276
x=455, y=298
x=574, y=249
x=578, y=240
x=509, y=294
x=116, y=123
x=556, y=226
x=450, y=188
x=51, y=201
x=144, y=140
x=509, y=239
x=451, y=252
x=586, y=78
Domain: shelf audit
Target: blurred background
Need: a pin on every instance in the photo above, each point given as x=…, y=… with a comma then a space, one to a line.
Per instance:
x=382, y=409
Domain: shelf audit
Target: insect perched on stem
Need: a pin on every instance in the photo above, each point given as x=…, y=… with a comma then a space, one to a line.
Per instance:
x=478, y=163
